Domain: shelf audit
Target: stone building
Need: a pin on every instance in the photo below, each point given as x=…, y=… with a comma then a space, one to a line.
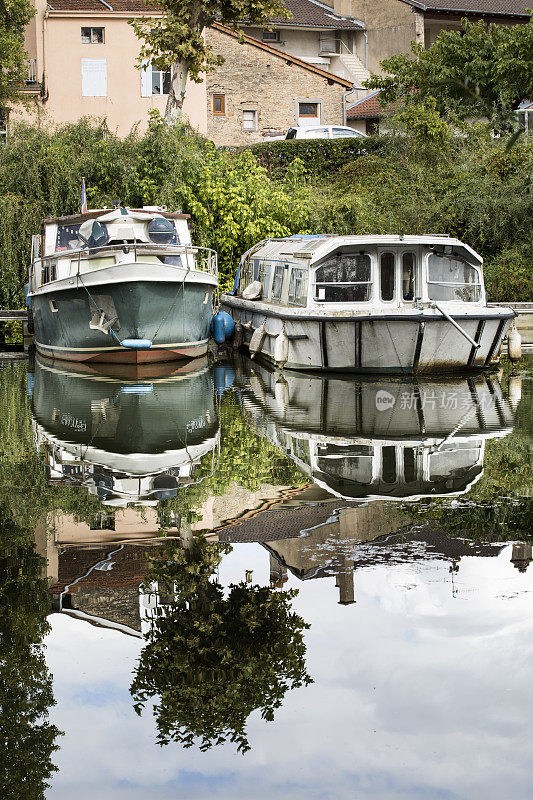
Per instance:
x=259, y=91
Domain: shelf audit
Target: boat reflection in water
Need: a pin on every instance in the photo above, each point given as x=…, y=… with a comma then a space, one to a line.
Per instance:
x=128, y=436
x=393, y=438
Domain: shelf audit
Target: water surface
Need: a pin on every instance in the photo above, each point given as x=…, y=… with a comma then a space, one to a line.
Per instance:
x=223, y=581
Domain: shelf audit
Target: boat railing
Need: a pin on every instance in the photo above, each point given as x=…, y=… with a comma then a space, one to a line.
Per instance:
x=203, y=259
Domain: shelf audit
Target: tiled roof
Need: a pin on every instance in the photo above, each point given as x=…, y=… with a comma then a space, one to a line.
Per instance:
x=133, y=6
x=366, y=108
x=310, y=14
x=504, y=8
x=305, y=13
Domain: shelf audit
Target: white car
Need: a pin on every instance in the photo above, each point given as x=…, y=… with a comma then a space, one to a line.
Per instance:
x=320, y=132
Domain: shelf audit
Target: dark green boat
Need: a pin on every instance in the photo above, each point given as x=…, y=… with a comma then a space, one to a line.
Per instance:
x=121, y=286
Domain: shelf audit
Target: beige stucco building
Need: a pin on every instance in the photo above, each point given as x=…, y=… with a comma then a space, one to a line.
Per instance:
x=83, y=61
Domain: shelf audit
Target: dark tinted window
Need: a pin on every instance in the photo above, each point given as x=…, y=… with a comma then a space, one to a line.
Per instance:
x=387, y=276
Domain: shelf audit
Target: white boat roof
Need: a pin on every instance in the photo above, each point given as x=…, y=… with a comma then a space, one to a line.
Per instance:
x=315, y=247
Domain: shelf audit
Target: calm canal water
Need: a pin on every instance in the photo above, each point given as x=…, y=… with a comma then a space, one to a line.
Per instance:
x=222, y=581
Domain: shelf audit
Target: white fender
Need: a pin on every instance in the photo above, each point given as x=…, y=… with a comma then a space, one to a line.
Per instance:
x=253, y=291
x=514, y=344
x=257, y=340
x=281, y=393
x=281, y=349
x=515, y=390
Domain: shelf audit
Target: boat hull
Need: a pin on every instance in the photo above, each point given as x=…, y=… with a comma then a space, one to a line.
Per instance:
x=174, y=316
x=404, y=343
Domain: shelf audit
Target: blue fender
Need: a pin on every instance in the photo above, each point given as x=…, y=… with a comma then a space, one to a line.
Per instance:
x=222, y=327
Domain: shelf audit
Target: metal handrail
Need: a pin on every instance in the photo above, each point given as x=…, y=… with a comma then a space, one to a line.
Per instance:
x=207, y=263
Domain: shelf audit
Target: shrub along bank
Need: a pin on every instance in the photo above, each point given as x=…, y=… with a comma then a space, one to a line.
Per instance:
x=473, y=186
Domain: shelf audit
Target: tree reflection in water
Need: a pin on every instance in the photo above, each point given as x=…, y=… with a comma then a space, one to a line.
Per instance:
x=27, y=737
x=212, y=656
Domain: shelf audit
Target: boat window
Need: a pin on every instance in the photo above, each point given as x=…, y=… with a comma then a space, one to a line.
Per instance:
x=408, y=276
x=67, y=237
x=344, y=278
x=451, y=278
x=409, y=465
x=277, y=283
x=298, y=287
x=265, y=271
x=387, y=276
x=388, y=470
x=162, y=231
x=49, y=271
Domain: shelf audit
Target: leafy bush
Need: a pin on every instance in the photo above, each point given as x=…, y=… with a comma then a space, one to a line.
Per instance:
x=319, y=156
x=509, y=276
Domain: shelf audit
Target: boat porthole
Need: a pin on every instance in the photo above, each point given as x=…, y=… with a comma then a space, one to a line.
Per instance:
x=53, y=306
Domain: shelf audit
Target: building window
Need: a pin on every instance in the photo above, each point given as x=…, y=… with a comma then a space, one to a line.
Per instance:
x=160, y=82
x=92, y=35
x=308, y=110
x=219, y=105
x=3, y=125
x=270, y=36
x=155, y=82
x=94, y=77
x=249, y=120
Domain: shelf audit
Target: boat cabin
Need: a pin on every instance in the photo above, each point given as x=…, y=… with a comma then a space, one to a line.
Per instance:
x=386, y=272
x=69, y=245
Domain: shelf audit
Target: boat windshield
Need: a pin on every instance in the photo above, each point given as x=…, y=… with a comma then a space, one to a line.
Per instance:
x=344, y=277
x=452, y=278
x=67, y=237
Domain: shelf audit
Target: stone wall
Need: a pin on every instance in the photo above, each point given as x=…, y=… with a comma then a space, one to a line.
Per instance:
x=254, y=80
x=117, y=605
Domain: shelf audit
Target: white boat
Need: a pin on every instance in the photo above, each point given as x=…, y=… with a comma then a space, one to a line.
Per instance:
x=378, y=304
x=122, y=286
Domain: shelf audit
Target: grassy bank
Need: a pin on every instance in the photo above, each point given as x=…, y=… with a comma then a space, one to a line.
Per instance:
x=472, y=186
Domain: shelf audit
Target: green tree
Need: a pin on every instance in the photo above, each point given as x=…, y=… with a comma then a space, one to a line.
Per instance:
x=477, y=71
x=213, y=658
x=176, y=42
x=14, y=16
x=28, y=738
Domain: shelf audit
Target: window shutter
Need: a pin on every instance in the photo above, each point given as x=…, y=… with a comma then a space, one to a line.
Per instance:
x=146, y=81
x=94, y=77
